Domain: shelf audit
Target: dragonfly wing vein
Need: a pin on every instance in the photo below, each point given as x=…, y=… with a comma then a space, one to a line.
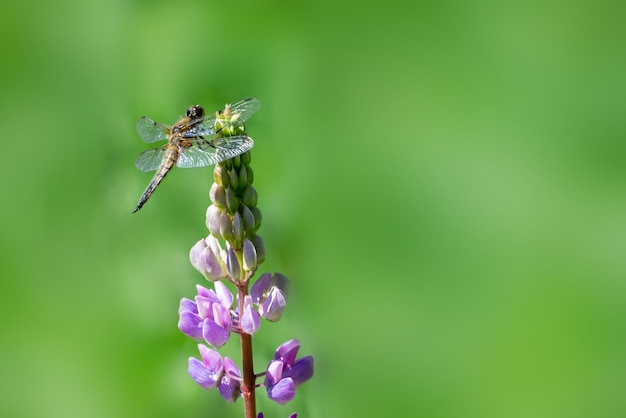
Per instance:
x=246, y=108
x=151, y=131
x=150, y=160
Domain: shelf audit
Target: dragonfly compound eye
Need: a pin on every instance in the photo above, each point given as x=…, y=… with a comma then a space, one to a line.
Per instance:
x=195, y=112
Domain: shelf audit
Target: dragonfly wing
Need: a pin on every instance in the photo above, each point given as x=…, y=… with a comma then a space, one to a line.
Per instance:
x=151, y=131
x=150, y=160
x=206, y=128
x=239, y=112
x=205, y=153
x=245, y=109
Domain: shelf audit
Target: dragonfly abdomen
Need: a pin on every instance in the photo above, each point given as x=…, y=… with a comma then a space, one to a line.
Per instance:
x=169, y=159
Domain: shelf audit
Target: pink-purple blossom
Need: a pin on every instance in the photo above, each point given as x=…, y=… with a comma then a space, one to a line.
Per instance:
x=209, y=317
x=230, y=386
x=285, y=373
x=206, y=373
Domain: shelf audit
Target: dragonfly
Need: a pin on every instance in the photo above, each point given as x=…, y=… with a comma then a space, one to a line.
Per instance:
x=195, y=140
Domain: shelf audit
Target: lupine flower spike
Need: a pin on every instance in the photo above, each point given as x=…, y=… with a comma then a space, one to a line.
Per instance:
x=232, y=252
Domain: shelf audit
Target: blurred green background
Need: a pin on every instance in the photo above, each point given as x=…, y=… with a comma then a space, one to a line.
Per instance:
x=444, y=183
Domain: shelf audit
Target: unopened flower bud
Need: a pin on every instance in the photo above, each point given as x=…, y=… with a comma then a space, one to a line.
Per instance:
x=221, y=176
x=243, y=176
x=260, y=248
x=217, y=194
x=248, y=221
x=238, y=230
x=249, y=256
x=226, y=226
x=246, y=157
x=250, y=174
x=234, y=179
x=206, y=257
x=270, y=293
x=232, y=264
x=237, y=162
x=250, y=196
x=258, y=217
x=232, y=201
x=213, y=221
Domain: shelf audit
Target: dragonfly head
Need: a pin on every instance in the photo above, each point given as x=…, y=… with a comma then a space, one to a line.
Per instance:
x=195, y=112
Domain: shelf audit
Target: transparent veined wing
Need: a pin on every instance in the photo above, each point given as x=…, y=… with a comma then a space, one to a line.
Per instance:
x=151, y=131
x=239, y=113
x=210, y=152
x=151, y=159
x=243, y=110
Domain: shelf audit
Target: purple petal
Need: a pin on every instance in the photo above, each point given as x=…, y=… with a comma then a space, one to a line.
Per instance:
x=214, y=334
x=301, y=371
x=229, y=388
x=282, y=282
x=194, y=253
x=282, y=392
x=203, y=291
x=200, y=374
x=260, y=286
x=231, y=368
x=273, y=306
x=211, y=358
x=208, y=371
x=250, y=321
x=187, y=305
x=226, y=390
x=223, y=294
x=214, y=244
x=287, y=352
x=221, y=316
x=274, y=373
x=204, y=305
x=191, y=325
x=212, y=220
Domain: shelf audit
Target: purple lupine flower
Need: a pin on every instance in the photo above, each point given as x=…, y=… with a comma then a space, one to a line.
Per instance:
x=279, y=389
x=214, y=309
x=230, y=387
x=269, y=292
x=216, y=326
x=209, y=317
x=285, y=373
x=206, y=373
x=208, y=258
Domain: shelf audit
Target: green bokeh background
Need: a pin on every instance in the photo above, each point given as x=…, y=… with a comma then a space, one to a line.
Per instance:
x=444, y=183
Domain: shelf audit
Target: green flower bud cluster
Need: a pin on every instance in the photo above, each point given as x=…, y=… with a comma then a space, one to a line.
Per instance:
x=234, y=216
